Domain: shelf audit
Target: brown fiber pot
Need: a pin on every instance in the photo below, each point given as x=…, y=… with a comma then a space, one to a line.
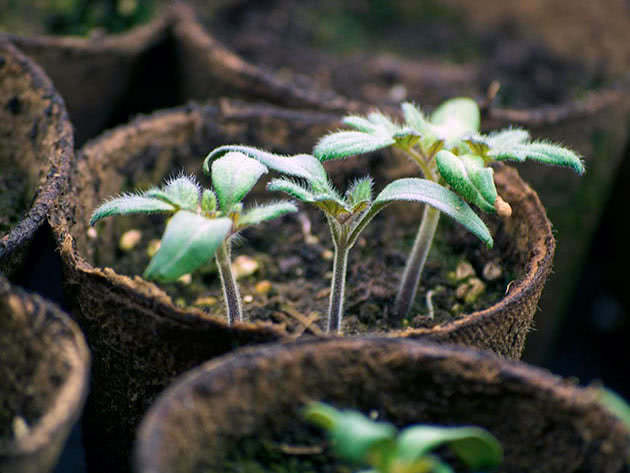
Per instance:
x=36, y=147
x=530, y=53
x=45, y=373
x=95, y=76
x=543, y=422
x=141, y=340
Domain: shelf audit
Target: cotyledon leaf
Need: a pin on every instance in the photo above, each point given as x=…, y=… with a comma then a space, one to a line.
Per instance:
x=341, y=144
x=304, y=166
x=233, y=176
x=543, y=152
x=182, y=192
x=443, y=199
x=130, y=204
x=262, y=213
x=189, y=241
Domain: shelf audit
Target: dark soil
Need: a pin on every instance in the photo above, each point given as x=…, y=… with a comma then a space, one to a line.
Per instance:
x=296, y=265
x=385, y=52
x=32, y=369
x=13, y=196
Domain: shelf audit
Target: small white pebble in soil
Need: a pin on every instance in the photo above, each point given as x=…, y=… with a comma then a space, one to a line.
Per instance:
x=311, y=239
x=186, y=279
x=244, y=266
x=92, y=233
x=464, y=270
x=153, y=247
x=398, y=93
x=263, y=287
x=373, y=414
x=328, y=255
x=20, y=427
x=129, y=240
x=328, y=275
x=248, y=299
x=476, y=288
x=180, y=302
x=205, y=301
x=491, y=271
x=299, y=271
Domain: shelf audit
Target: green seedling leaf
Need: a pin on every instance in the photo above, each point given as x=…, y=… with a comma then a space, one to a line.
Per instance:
x=383, y=122
x=362, y=124
x=360, y=191
x=233, y=176
x=303, y=166
x=182, y=192
x=416, y=120
x=341, y=144
x=474, y=446
x=469, y=179
x=292, y=188
x=543, y=152
x=455, y=119
x=507, y=138
x=130, y=204
x=332, y=206
x=445, y=200
x=615, y=404
x=353, y=435
x=208, y=201
x=189, y=241
x=406, y=137
x=266, y=212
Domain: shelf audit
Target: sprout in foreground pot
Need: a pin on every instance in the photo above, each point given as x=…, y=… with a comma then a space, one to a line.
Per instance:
x=348, y=215
x=449, y=150
x=203, y=222
x=362, y=441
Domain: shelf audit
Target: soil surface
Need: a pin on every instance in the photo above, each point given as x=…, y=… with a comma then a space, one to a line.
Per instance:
x=387, y=52
x=32, y=369
x=291, y=260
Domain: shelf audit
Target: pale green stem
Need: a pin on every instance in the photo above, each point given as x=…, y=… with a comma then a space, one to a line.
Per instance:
x=415, y=263
x=337, y=288
x=231, y=294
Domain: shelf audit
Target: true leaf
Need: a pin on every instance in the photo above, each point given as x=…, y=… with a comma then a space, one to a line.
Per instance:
x=233, y=176
x=292, y=188
x=507, y=137
x=455, y=119
x=443, y=199
x=208, y=201
x=302, y=165
x=474, y=446
x=130, y=204
x=383, y=121
x=360, y=191
x=182, y=192
x=415, y=119
x=341, y=144
x=361, y=124
x=266, y=212
x=543, y=152
x=189, y=241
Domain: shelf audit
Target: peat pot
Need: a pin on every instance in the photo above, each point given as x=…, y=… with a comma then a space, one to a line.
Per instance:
x=36, y=154
x=106, y=76
x=142, y=335
x=560, y=78
x=44, y=372
x=242, y=412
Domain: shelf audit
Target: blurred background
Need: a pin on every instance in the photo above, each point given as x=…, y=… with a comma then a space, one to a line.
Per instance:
x=547, y=56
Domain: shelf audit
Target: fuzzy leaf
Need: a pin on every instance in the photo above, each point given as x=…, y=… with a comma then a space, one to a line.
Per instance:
x=507, y=137
x=415, y=119
x=331, y=205
x=456, y=171
x=361, y=124
x=443, y=199
x=208, y=201
x=341, y=144
x=182, y=192
x=543, y=152
x=266, y=212
x=383, y=121
x=474, y=446
x=130, y=204
x=292, y=188
x=360, y=191
x=189, y=241
x=304, y=166
x=353, y=435
x=455, y=119
x=233, y=176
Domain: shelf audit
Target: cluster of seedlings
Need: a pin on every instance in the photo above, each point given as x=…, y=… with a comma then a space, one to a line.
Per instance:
x=453, y=159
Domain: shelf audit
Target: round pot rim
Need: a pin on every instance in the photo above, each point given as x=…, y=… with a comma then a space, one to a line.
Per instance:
x=536, y=267
x=70, y=395
x=62, y=149
x=564, y=390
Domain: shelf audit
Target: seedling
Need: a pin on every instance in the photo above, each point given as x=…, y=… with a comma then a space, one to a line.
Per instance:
x=348, y=215
x=359, y=440
x=449, y=150
x=203, y=222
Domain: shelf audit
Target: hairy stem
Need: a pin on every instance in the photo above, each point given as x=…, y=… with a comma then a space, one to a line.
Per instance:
x=415, y=263
x=231, y=294
x=337, y=288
